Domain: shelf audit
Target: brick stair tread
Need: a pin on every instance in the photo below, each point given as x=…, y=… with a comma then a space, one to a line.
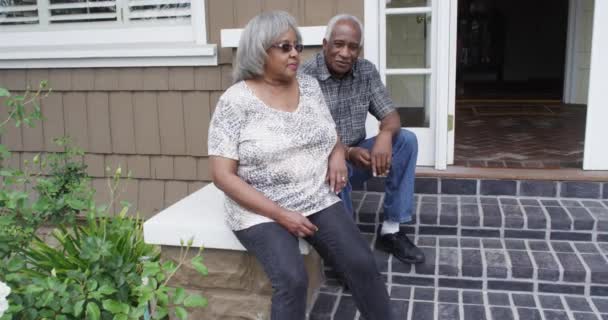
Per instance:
x=552, y=261
x=520, y=265
x=557, y=254
x=507, y=186
x=420, y=302
x=514, y=217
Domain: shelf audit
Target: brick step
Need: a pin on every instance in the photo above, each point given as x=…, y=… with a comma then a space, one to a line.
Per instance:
x=513, y=265
x=426, y=302
x=495, y=216
x=579, y=268
x=518, y=186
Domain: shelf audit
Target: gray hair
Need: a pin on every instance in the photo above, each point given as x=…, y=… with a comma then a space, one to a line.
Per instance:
x=343, y=17
x=260, y=33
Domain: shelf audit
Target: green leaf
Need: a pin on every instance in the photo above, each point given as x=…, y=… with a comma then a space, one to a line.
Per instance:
x=93, y=312
x=91, y=284
x=195, y=300
x=121, y=317
x=4, y=152
x=78, y=306
x=4, y=93
x=180, y=295
x=162, y=298
x=168, y=266
x=199, y=266
x=161, y=313
x=181, y=313
x=115, y=306
x=150, y=269
x=106, y=289
x=15, y=264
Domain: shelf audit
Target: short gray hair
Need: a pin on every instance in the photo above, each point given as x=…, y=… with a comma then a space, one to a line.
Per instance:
x=343, y=17
x=260, y=33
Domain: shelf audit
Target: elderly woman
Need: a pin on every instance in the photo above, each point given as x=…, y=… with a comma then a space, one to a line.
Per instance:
x=275, y=154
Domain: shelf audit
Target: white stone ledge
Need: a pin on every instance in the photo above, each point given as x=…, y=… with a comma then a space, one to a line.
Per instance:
x=199, y=216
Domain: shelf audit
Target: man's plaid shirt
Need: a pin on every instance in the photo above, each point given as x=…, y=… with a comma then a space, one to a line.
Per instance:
x=350, y=98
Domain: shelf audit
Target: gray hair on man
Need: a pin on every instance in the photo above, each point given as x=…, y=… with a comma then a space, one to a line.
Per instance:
x=258, y=36
x=343, y=17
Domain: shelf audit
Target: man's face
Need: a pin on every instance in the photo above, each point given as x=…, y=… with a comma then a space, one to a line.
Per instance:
x=343, y=48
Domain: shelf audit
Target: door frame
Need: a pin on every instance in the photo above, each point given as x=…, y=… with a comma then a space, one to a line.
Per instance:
x=595, y=156
x=443, y=75
x=576, y=10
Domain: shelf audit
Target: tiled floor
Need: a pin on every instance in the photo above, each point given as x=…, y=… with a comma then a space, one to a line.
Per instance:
x=511, y=135
x=419, y=303
x=489, y=258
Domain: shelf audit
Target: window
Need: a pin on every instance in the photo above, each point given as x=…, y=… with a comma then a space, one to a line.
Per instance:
x=103, y=33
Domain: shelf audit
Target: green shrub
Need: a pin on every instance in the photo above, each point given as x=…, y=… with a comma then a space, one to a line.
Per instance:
x=97, y=265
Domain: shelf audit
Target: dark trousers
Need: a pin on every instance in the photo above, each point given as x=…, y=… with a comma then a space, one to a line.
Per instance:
x=339, y=243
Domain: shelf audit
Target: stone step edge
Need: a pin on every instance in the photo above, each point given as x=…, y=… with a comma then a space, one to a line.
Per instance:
x=501, y=285
x=499, y=187
x=556, y=302
x=551, y=225
x=495, y=233
x=559, y=275
x=510, y=285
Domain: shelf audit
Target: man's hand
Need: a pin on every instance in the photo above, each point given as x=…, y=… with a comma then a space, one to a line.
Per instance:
x=297, y=224
x=337, y=173
x=360, y=157
x=382, y=152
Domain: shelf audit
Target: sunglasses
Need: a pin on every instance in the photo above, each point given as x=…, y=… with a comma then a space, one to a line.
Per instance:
x=287, y=47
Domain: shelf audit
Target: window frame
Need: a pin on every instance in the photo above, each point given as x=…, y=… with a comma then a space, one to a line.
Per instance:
x=112, y=45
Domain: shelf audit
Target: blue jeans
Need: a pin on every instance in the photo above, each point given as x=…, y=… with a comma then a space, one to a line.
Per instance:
x=399, y=188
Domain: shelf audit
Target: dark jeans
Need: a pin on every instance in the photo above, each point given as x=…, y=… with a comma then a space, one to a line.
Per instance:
x=339, y=243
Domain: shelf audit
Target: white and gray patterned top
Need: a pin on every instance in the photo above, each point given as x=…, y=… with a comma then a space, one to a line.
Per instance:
x=282, y=154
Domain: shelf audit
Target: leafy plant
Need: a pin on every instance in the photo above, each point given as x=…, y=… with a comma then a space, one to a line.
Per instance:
x=100, y=270
x=99, y=266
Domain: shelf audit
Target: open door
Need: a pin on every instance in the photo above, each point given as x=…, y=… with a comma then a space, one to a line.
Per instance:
x=413, y=51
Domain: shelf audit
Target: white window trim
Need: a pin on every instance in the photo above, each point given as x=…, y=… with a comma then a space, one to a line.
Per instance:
x=311, y=36
x=148, y=45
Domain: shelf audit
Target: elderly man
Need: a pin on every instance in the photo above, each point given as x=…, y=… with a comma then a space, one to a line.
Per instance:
x=352, y=88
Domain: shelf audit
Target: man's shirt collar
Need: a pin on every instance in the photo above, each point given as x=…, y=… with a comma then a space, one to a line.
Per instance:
x=323, y=72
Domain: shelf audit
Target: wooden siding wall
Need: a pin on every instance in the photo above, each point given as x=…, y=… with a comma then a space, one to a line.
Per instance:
x=152, y=122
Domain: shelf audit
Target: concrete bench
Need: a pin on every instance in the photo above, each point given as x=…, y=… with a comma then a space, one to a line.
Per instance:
x=237, y=287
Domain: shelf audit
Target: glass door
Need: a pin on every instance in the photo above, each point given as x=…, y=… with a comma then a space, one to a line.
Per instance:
x=406, y=33
x=413, y=66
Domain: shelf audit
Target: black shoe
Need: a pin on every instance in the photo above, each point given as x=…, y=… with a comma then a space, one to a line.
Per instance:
x=400, y=246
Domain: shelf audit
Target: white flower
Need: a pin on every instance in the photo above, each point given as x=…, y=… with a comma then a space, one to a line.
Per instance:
x=3, y=306
x=4, y=292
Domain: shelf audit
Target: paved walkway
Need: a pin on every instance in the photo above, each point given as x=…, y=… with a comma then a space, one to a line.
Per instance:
x=489, y=257
x=519, y=135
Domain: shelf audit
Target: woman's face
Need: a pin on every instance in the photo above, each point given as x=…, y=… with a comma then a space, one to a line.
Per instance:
x=279, y=63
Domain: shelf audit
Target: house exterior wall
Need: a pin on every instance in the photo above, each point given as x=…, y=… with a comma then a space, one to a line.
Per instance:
x=152, y=122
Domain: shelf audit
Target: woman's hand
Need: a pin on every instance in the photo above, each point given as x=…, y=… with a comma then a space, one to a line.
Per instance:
x=337, y=173
x=296, y=223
